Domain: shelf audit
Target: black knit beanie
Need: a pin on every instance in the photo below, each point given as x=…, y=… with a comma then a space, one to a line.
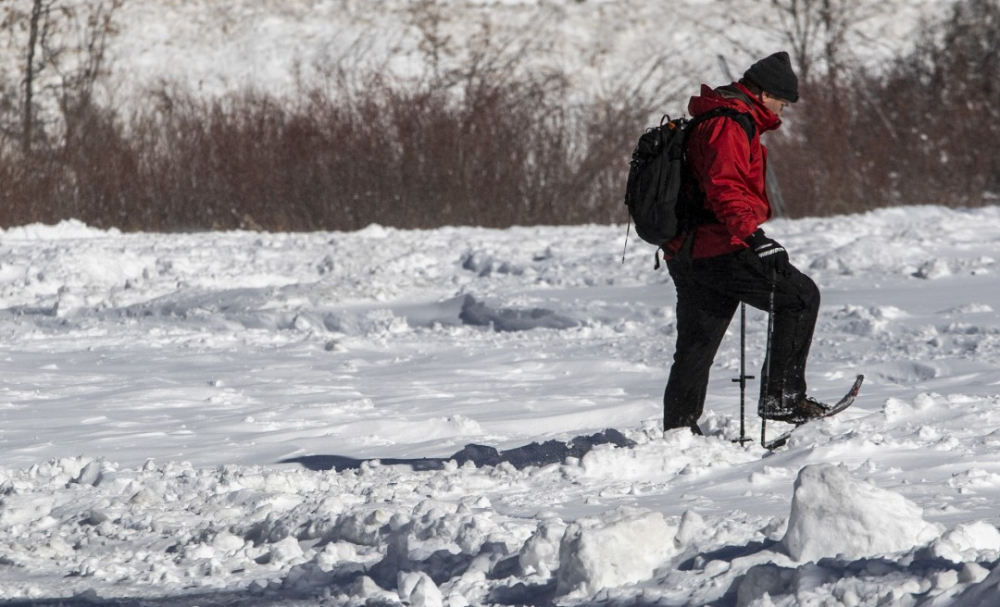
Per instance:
x=774, y=74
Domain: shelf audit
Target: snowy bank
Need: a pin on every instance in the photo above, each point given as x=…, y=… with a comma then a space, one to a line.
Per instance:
x=174, y=407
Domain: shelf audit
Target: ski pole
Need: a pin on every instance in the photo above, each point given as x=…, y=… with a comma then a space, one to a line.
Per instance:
x=742, y=379
x=762, y=407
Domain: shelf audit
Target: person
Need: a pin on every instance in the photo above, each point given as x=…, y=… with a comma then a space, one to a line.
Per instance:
x=726, y=258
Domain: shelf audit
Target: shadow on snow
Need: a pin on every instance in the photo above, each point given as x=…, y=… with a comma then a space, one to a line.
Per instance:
x=535, y=454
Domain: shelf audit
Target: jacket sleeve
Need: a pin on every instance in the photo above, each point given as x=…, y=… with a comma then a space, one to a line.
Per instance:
x=719, y=156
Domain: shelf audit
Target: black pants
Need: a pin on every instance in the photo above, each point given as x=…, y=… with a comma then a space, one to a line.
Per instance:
x=708, y=293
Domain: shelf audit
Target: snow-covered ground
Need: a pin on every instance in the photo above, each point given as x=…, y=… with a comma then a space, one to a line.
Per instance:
x=171, y=407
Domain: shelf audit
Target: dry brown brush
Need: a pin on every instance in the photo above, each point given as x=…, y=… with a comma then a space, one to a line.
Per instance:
x=490, y=143
x=925, y=131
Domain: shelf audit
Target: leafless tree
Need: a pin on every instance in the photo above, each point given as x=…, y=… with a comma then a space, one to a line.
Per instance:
x=62, y=46
x=817, y=30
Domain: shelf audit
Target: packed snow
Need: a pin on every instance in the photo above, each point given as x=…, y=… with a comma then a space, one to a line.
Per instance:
x=256, y=419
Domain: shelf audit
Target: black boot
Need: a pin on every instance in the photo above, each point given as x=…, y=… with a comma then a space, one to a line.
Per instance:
x=798, y=411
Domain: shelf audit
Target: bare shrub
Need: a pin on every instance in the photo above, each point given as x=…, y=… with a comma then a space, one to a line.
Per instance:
x=952, y=124
x=59, y=47
x=503, y=152
x=925, y=132
x=817, y=32
x=480, y=139
x=486, y=141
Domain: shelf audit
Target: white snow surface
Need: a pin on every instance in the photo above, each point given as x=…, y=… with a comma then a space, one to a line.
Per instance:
x=156, y=387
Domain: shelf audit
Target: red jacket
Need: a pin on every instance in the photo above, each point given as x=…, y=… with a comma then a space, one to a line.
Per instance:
x=730, y=170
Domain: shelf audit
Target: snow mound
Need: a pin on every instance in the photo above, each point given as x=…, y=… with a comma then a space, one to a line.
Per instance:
x=66, y=229
x=975, y=541
x=622, y=546
x=834, y=514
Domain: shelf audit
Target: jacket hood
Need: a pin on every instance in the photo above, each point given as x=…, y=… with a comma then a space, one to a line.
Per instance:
x=733, y=96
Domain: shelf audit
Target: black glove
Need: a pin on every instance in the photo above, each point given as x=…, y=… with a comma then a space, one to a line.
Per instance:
x=772, y=255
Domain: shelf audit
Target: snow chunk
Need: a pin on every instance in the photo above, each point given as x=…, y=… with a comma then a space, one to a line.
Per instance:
x=935, y=268
x=835, y=515
x=90, y=475
x=540, y=553
x=972, y=308
x=965, y=542
x=417, y=588
x=622, y=546
x=283, y=552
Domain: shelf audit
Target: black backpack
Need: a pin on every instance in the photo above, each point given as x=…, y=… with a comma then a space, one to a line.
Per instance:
x=660, y=202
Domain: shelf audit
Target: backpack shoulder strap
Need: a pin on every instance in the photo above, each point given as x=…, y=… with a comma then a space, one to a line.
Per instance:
x=742, y=118
x=746, y=122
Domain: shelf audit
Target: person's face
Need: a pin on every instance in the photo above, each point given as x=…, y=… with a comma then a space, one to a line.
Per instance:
x=775, y=104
